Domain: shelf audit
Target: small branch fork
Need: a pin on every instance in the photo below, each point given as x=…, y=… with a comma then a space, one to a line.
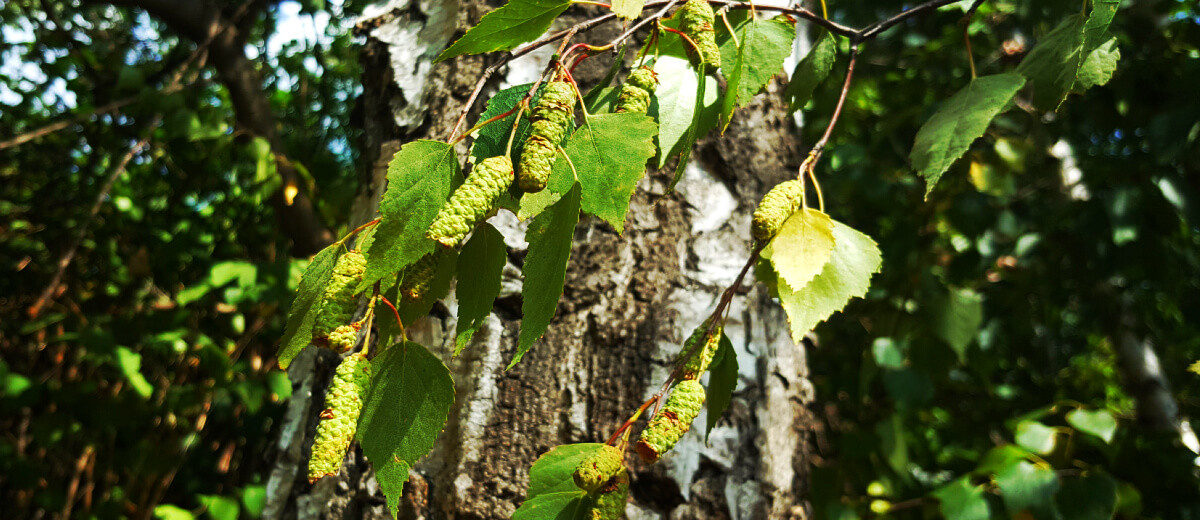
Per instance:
x=563, y=63
x=856, y=36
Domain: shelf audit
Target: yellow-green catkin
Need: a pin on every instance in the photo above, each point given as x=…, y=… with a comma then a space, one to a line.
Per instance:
x=635, y=93
x=776, y=206
x=339, y=302
x=608, y=502
x=672, y=421
x=594, y=471
x=700, y=356
x=696, y=21
x=339, y=419
x=418, y=277
x=472, y=201
x=549, y=120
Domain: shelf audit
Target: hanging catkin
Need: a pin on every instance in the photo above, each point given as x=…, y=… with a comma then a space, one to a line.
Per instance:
x=339, y=302
x=471, y=201
x=776, y=206
x=339, y=419
x=550, y=119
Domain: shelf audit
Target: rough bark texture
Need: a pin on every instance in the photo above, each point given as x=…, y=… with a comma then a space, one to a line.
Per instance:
x=628, y=303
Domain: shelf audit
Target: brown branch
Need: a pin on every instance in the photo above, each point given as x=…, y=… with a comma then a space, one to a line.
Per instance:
x=69, y=255
x=815, y=154
x=203, y=22
x=874, y=29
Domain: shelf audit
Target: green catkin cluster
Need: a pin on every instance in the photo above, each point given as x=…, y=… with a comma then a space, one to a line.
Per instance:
x=701, y=356
x=635, y=93
x=776, y=206
x=338, y=303
x=550, y=119
x=609, y=500
x=472, y=201
x=672, y=421
x=594, y=471
x=696, y=21
x=418, y=276
x=339, y=419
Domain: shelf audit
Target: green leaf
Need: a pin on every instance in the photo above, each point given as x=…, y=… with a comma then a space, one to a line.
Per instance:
x=802, y=247
x=1095, y=31
x=674, y=106
x=958, y=122
x=691, y=135
x=610, y=153
x=552, y=493
x=887, y=354
x=957, y=318
x=219, y=507
x=170, y=512
x=1036, y=437
x=303, y=313
x=960, y=500
x=553, y=471
x=1099, y=66
x=492, y=139
x=999, y=458
x=254, y=499
x=722, y=381
x=516, y=22
x=568, y=505
x=627, y=9
x=1026, y=487
x=131, y=366
x=1053, y=63
x=1092, y=497
x=811, y=70
x=410, y=398
x=764, y=44
x=1099, y=423
x=420, y=178
x=479, y=267
x=549, y=237
x=847, y=275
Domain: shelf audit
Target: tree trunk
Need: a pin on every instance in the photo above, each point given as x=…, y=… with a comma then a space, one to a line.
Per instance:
x=628, y=303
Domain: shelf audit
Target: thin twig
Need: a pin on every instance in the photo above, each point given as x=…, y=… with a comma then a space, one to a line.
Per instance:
x=173, y=85
x=81, y=233
x=815, y=154
x=874, y=29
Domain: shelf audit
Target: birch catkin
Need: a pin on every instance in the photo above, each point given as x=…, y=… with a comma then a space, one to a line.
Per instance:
x=696, y=21
x=339, y=419
x=471, y=201
x=339, y=302
x=635, y=93
x=776, y=206
x=672, y=421
x=550, y=119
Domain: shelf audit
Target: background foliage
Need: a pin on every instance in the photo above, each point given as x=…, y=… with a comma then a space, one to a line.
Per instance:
x=983, y=359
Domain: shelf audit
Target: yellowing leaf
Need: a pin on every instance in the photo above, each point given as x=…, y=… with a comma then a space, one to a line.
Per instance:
x=628, y=9
x=802, y=247
x=847, y=275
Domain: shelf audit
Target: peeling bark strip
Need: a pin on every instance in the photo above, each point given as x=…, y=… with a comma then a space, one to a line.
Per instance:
x=629, y=303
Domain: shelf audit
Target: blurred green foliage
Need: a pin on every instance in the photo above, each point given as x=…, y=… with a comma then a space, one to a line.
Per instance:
x=149, y=378
x=979, y=377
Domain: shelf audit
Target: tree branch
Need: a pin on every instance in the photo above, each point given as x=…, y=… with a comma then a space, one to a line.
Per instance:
x=202, y=22
x=69, y=254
